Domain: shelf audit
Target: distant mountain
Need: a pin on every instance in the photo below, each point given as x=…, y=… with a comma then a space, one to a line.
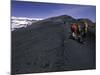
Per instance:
x=58, y=20
x=62, y=20
x=19, y=22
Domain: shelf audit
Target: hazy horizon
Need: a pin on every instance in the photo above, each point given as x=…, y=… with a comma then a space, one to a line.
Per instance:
x=46, y=10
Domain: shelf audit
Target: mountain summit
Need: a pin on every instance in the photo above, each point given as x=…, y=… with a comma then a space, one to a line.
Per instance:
x=58, y=20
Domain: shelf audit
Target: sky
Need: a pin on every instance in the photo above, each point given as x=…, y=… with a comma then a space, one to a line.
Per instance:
x=46, y=10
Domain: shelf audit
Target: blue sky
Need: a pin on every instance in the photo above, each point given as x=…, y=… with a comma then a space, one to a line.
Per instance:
x=45, y=10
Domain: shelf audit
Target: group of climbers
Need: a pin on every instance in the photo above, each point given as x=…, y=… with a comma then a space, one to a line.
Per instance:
x=79, y=30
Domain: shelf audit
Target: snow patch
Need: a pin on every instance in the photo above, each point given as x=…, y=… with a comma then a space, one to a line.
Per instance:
x=18, y=22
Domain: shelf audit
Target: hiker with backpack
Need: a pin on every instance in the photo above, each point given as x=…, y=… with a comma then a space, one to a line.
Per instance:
x=79, y=30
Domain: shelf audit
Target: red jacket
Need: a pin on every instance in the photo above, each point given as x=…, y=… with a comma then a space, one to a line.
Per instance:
x=74, y=27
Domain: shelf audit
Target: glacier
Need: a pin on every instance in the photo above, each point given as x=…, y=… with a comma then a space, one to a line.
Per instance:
x=19, y=22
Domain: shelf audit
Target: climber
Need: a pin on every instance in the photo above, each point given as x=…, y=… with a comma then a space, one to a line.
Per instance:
x=79, y=30
x=74, y=28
